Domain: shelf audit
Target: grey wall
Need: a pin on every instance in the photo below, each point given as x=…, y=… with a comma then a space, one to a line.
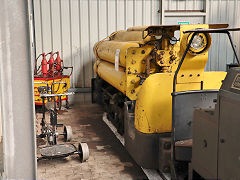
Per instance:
x=73, y=26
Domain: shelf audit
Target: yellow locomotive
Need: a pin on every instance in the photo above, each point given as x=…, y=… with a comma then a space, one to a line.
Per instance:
x=139, y=72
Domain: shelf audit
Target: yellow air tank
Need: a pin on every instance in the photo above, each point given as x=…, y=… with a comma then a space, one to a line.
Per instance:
x=138, y=66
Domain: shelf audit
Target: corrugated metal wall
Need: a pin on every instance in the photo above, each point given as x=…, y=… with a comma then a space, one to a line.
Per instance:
x=223, y=11
x=217, y=11
x=184, y=4
x=73, y=26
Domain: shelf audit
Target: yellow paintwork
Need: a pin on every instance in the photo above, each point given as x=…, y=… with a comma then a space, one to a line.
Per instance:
x=193, y=66
x=107, y=50
x=130, y=36
x=135, y=64
x=153, y=110
x=58, y=88
x=107, y=72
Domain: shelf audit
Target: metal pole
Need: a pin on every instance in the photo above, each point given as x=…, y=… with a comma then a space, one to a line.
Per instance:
x=16, y=90
x=161, y=10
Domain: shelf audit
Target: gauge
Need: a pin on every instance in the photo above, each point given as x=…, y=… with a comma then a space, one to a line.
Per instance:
x=200, y=43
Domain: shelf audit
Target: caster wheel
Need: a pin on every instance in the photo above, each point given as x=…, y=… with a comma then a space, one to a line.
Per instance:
x=83, y=151
x=67, y=133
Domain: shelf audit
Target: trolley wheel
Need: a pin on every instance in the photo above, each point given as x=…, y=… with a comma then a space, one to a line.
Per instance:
x=67, y=133
x=83, y=151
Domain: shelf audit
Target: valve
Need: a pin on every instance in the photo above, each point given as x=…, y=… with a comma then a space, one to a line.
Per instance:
x=44, y=66
x=58, y=64
x=51, y=64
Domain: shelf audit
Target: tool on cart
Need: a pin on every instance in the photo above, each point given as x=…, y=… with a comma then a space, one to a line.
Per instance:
x=50, y=73
x=49, y=131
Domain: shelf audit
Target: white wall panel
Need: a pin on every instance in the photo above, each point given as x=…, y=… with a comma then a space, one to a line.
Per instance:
x=55, y=25
x=130, y=13
x=184, y=4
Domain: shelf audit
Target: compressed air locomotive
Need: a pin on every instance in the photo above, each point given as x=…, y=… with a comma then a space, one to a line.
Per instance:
x=141, y=77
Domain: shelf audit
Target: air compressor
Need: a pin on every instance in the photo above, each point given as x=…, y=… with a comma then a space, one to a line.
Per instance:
x=140, y=71
x=49, y=75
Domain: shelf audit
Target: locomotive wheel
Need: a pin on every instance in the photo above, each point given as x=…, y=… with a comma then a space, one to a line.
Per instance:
x=67, y=133
x=83, y=151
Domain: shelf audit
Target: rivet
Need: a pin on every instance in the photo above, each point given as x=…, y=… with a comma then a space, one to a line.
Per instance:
x=133, y=52
x=133, y=81
x=182, y=75
x=167, y=145
x=133, y=61
x=173, y=57
x=166, y=169
x=190, y=75
x=143, y=52
x=159, y=57
x=161, y=62
x=162, y=52
x=143, y=61
x=198, y=75
x=133, y=91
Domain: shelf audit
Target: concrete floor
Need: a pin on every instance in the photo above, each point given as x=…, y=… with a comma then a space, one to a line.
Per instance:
x=108, y=158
